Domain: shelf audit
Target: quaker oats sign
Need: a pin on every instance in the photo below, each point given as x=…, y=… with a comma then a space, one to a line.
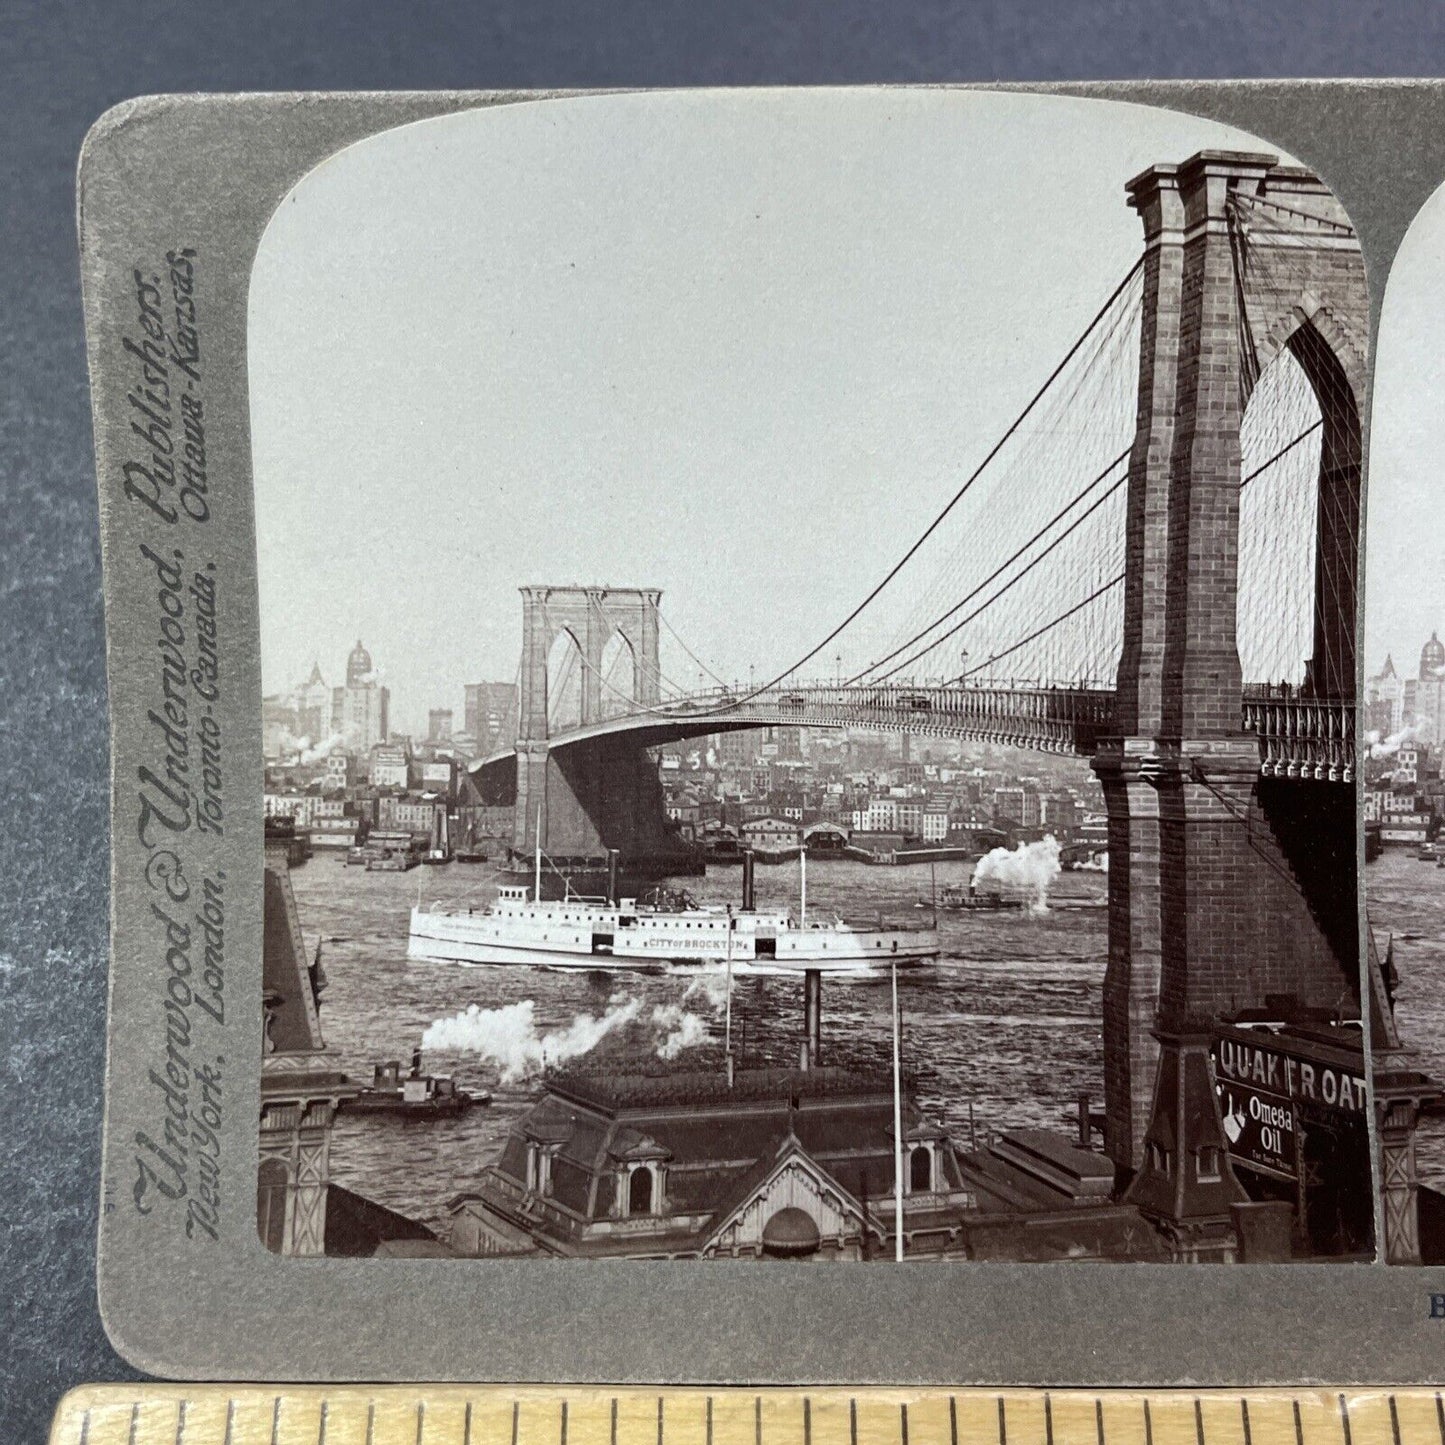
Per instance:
x=708, y=682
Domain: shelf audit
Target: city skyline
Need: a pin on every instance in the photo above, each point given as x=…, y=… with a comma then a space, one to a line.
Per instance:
x=765, y=395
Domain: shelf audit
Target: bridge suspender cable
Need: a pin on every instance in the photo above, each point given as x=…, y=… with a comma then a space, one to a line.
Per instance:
x=1003, y=566
x=1039, y=631
x=973, y=476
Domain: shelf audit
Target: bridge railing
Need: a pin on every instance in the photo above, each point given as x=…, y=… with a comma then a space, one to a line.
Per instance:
x=1054, y=719
x=1302, y=737
x=1299, y=737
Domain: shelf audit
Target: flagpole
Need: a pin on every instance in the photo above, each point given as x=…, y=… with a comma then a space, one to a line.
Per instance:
x=728, y=1027
x=897, y=1129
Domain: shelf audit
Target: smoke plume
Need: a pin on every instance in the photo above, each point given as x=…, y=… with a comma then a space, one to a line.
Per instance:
x=508, y=1037
x=1387, y=747
x=1030, y=869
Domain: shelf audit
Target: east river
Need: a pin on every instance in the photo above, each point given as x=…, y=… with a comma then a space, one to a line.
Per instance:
x=1407, y=901
x=1007, y=1021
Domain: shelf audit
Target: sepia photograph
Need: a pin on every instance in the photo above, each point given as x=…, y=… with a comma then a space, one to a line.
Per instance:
x=1403, y=716
x=809, y=659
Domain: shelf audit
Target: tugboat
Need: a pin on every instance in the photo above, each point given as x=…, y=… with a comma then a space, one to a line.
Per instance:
x=418, y=1096
x=972, y=899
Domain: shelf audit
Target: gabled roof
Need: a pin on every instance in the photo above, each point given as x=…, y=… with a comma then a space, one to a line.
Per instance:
x=755, y=1183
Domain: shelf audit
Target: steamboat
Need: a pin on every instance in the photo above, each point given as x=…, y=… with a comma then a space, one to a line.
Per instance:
x=662, y=931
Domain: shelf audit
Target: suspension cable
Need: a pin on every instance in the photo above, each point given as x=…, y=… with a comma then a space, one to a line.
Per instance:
x=1003, y=566
x=959, y=494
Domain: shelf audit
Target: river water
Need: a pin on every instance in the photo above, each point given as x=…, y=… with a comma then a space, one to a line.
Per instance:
x=1007, y=1021
x=1407, y=900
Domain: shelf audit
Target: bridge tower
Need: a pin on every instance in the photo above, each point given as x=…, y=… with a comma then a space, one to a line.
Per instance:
x=589, y=616
x=582, y=804
x=1226, y=891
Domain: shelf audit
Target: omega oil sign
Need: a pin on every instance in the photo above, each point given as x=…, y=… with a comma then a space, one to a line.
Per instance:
x=1263, y=1092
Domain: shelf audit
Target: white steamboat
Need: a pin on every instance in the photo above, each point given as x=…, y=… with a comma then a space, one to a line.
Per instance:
x=662, y=933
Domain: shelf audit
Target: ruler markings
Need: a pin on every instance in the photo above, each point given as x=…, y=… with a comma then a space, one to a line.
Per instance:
x=482, y=1415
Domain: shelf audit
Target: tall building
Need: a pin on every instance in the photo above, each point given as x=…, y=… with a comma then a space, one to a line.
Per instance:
x=489, y=714
x=360, y=710
x=1425, y=694
x=313, y=707
x=439, y=725
x=736, y=749
x=1385, y=701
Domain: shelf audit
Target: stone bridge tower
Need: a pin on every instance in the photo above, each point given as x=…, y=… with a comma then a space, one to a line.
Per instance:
x=589, y=616
x=1225, y=890
x=603, y=793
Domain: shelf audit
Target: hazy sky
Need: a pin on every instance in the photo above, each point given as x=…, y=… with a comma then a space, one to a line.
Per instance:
x=737, y=346
x=1405, y=538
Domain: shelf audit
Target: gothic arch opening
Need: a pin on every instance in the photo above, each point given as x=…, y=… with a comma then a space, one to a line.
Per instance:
x=619, y=676
x=1279, y=443
x=564, y=682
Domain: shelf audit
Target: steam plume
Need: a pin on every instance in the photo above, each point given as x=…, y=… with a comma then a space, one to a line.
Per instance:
x=1030, y=868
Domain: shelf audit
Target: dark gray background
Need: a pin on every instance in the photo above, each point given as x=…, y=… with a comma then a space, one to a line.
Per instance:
x=60, y=66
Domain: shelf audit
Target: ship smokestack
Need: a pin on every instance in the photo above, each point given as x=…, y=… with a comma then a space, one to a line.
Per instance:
x=613, y=857
x=747, y=880
x=416, y=1062
x=1085, y=1123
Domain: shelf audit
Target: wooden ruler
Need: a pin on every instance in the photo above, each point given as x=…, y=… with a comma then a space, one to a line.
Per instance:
x=584, y=1415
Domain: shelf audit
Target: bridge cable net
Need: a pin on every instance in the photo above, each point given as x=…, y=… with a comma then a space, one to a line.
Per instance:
x=1040, y=540
x=1296, y=411
x=617, y=675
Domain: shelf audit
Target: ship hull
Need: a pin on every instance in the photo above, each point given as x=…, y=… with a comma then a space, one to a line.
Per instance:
x=474, y=941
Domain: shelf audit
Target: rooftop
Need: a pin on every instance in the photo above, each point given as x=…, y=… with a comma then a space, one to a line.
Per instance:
x=613, y=1091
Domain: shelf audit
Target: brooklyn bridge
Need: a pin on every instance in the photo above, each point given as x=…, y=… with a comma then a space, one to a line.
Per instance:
x=1154, y=568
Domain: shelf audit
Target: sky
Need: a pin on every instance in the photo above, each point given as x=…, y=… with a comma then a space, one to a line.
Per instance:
x=1404, y=537
x=738, y=346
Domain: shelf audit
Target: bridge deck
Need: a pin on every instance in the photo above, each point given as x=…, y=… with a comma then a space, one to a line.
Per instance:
x=1299, y=737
